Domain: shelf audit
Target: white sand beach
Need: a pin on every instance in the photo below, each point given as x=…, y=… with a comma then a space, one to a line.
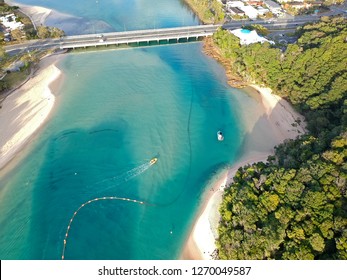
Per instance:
x=281, y=115
x=72, y=25
x=25, y=110
x=37, y=14
x=280, y=124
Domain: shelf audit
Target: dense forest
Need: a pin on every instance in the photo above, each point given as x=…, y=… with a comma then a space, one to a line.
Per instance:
x=295, y=205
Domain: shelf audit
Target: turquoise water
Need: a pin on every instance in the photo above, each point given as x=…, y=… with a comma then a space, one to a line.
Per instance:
x=115, y=112
x=95, y=16
x=130, y=106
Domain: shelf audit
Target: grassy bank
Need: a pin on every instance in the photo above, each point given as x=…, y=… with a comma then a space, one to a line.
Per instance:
x=12, y=80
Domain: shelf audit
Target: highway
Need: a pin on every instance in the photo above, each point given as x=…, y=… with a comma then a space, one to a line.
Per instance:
x=139, y=36
x=148, y=35
x=115, y=38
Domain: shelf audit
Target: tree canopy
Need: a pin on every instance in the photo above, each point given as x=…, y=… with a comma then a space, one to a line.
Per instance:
x=44, y=32
x=309, y=73
x=295, y=205
x=274, y=212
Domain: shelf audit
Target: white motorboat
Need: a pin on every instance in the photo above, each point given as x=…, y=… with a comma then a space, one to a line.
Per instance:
x=220, y=136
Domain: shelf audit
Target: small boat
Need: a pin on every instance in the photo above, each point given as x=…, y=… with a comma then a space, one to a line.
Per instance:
x=153, y=161
x=220, y=136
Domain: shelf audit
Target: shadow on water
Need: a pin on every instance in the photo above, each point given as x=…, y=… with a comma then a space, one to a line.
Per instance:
x=267, y=130
x=76, y=161
x=113, y=47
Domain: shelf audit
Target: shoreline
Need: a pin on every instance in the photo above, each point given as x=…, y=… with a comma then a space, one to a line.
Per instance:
x=49, y=17
x=280, y=115
x=37, y=14
x=70, y=24
x=28, y=108
x=212, y=51
x=202, y=246
x=200, y=12
x=278, y=120
x=197, y=12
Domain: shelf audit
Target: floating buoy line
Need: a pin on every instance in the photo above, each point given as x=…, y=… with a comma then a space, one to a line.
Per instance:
x=138, y=170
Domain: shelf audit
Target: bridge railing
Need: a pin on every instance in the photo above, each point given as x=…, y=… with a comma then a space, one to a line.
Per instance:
x=136, y=39
x=143, y=31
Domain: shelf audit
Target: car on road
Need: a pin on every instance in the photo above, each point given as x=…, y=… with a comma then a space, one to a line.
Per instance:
x=101, y=38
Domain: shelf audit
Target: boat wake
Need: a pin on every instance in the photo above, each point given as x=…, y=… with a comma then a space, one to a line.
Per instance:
x=126, y=176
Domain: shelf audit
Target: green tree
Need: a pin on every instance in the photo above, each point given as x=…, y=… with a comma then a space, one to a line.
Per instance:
x=295, y=205
x=43, y=32
x=17, y=34
x=2, y=52
x=56, y=32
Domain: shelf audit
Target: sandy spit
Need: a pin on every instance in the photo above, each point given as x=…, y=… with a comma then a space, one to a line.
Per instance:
x=281, y=123
x=26, y=109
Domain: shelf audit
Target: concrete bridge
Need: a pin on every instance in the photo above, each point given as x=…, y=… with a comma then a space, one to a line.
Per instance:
x=171, y=35
x=138, y=36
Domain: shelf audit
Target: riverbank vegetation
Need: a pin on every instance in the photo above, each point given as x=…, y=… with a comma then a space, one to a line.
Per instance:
x=44, y=32
x=16, y=69
x=295, y=205
x=29, y=31
x=25, y=64
x=209, y=11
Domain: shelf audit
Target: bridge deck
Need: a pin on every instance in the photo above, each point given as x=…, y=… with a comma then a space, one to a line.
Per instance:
x=138, y=36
